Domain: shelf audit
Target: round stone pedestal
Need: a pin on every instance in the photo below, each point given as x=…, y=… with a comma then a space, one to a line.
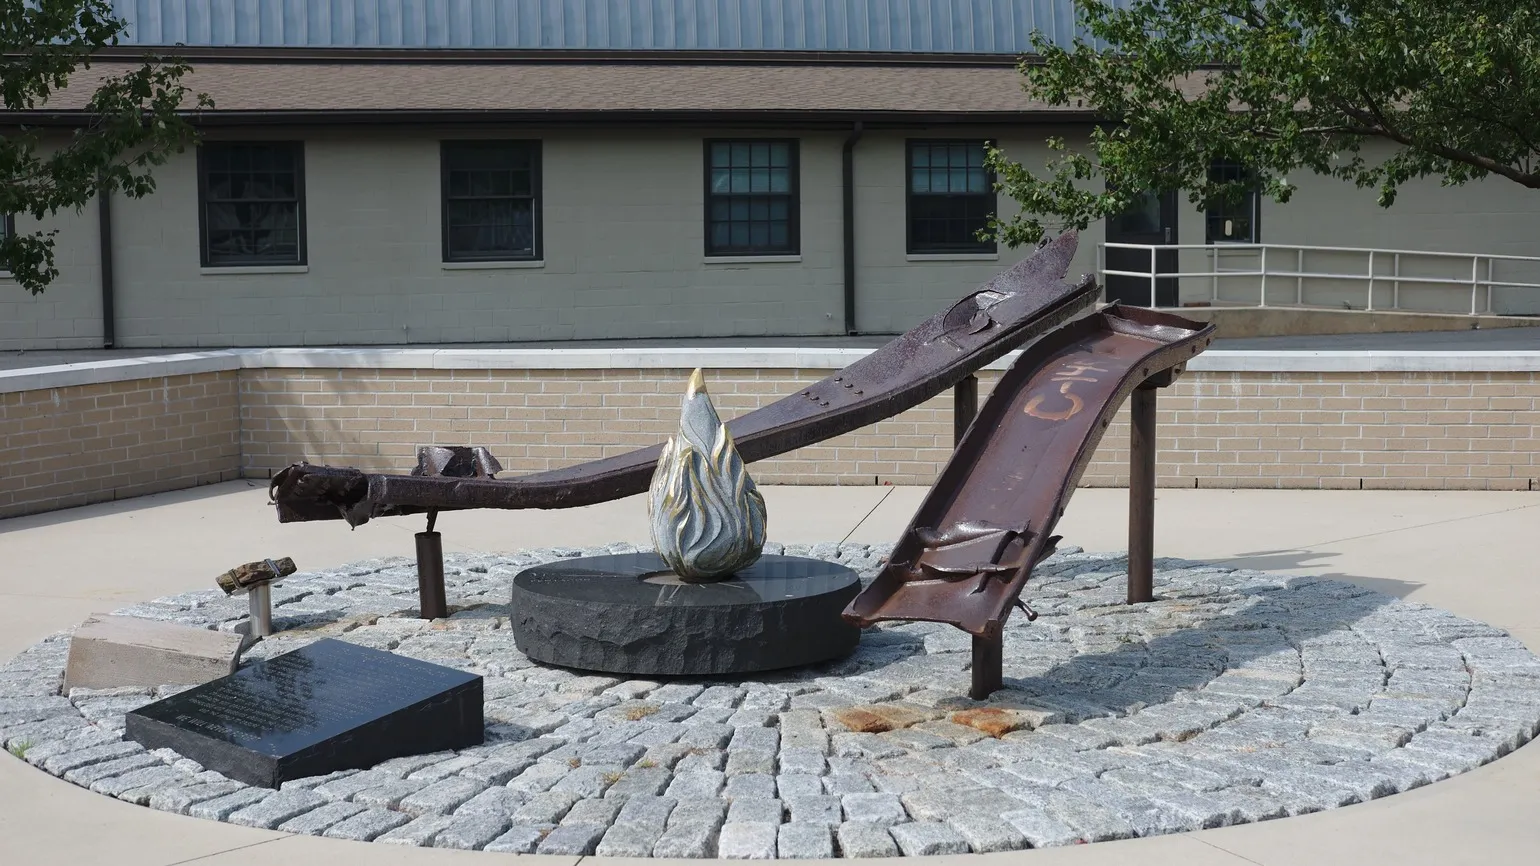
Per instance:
x=628, y=613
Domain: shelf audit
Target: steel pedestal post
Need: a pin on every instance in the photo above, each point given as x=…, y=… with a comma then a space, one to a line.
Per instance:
x=988, y=661
x=965, y=405
x=987, y=652
x=430, y=575
x=1141, y=497
x=259, y=604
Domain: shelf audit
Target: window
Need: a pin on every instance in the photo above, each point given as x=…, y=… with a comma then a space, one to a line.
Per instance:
x=491, y=201
x=1232, y=221
x=951, y=197
x=751, y=198
x=252, y=203
x=7, y=225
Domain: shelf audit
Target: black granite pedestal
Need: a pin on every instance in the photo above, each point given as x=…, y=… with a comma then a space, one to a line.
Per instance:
x=629, y=613
x=328, y=706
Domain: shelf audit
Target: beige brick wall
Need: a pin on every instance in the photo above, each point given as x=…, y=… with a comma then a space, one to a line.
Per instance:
x=1329, y=430
x=62, y=447
x=1423, y=431
x=74, y=445
x=543, y=419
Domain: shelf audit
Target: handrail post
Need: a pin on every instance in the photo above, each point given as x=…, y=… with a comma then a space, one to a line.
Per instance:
x=1263, y=270
x=1154, y=269
x=1370, y=305
x=1395, y=286
x=1299, y=279
x=1475, y=286
x=1213, y=258
x=1489, y=286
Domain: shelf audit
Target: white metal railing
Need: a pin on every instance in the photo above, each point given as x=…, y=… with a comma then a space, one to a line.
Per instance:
x=1481, y=271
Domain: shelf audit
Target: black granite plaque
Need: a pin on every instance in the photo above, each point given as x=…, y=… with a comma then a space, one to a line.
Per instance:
x=326, y=707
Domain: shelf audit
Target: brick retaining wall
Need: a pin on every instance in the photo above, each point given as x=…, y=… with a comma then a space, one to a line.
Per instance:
x=1338, y=430
x=80, y=443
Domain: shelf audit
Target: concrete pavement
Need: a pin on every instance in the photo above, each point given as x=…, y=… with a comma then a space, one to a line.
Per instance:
x=1473, y=553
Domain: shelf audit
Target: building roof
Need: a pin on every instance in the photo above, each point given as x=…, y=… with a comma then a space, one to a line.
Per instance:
x=958, y=26
x=245, y=92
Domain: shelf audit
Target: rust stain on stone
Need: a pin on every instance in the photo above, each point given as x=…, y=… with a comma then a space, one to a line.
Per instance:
x=899, y=717
x=989, y=720
x=862, y=721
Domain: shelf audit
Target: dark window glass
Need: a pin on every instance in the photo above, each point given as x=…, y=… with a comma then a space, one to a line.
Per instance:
x=7, y=226
x=751, y=198
x=253, y=203
x=1232, y=221
x=951, y=197
x=491, y=200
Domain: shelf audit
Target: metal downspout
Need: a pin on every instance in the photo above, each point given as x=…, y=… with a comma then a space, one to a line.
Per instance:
x=849, y=220
x=104, y=212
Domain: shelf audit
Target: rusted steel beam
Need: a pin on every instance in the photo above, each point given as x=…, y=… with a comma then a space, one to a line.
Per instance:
x=987, y=521
x=1016, y=306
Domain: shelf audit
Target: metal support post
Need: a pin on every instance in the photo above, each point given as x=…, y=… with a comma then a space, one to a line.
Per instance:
x=430, y=573
x=965, y=405
x=988, y=656
x=259, y=604
x=1141, y=497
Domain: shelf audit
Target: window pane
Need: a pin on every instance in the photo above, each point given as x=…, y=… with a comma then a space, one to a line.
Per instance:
x=750, y=197
x=250, y=203
x=919, y=180
x=977, y=182
x=919, y=157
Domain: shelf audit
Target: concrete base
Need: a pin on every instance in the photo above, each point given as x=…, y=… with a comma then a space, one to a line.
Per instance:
x=111, y=651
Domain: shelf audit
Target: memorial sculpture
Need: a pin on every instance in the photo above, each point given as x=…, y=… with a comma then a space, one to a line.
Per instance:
x=968, y=553
x=706, y=516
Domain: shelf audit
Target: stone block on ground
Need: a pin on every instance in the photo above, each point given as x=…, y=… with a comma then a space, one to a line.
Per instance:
x=109, y=651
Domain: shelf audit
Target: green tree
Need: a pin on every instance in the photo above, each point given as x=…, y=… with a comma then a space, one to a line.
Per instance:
x=131, y=123
x=1280, y=86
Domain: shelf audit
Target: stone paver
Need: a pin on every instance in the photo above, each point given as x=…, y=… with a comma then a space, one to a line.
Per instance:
x=1238, y=696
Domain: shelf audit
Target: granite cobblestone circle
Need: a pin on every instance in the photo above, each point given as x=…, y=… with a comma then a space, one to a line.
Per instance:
x=1236, y=696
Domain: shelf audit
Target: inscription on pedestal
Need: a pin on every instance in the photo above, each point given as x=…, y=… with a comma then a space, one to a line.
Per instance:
x=328, y=706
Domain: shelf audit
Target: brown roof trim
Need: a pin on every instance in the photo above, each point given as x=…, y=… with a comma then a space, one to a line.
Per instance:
x=804, y=119
x=674, y=57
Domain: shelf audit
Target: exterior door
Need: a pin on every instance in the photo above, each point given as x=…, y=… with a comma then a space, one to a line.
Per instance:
x=1151, y=220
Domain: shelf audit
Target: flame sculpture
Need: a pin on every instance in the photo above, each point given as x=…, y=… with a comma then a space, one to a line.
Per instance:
x=708, y=518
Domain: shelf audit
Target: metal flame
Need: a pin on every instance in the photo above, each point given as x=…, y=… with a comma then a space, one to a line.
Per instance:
x=707, y=517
